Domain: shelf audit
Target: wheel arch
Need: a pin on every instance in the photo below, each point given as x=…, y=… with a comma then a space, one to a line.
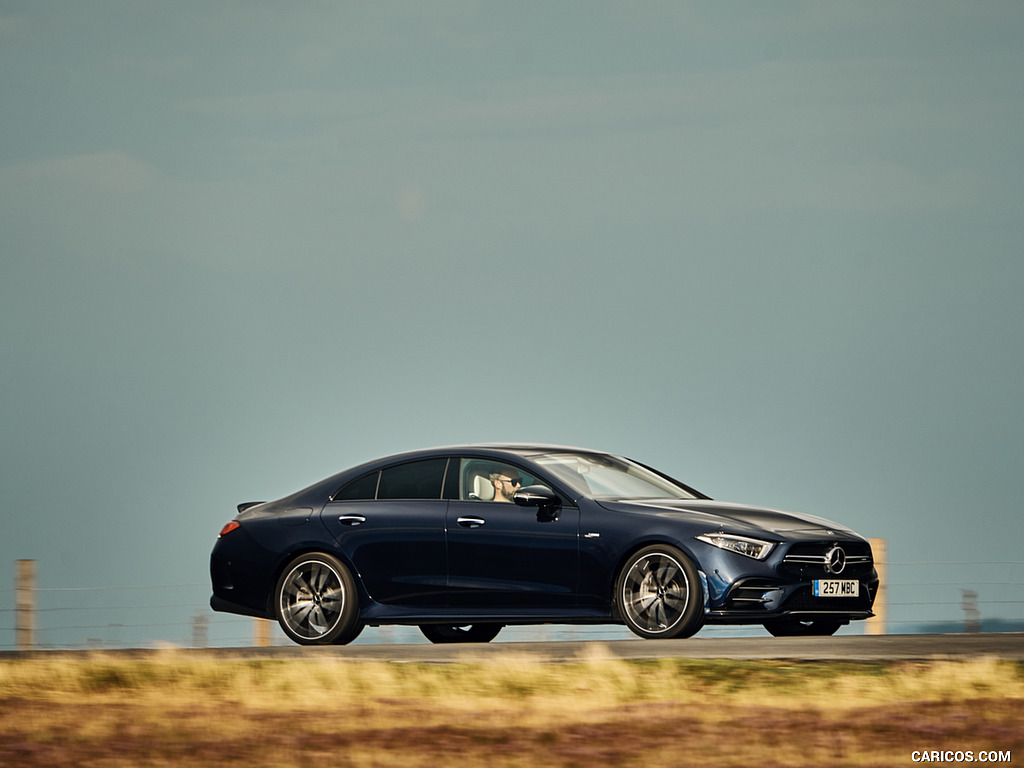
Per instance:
x=310, y=548
x=635, y=547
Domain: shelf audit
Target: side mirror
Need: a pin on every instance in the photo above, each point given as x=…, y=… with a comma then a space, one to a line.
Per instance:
x=536, y=496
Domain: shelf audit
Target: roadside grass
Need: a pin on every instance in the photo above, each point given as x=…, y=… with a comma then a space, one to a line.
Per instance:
x=172, y=708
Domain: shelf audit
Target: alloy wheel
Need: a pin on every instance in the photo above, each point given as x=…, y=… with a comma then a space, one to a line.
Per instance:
x=655, y=593
x=312, y=599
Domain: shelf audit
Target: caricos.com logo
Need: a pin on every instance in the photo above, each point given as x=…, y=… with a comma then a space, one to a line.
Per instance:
x=959, y=756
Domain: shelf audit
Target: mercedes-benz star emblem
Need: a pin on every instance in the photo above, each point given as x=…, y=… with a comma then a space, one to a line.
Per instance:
x=835, y=560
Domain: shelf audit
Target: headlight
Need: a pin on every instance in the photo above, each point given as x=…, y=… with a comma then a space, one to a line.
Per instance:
x=742, y=545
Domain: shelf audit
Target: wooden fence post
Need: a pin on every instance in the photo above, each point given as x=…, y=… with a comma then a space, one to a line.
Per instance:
x=877, y=625
x=25, y=605
x=200, y=636
x=261, y=633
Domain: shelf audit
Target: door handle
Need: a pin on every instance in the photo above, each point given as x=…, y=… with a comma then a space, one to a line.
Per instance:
x=351, y=519
x=471, y=522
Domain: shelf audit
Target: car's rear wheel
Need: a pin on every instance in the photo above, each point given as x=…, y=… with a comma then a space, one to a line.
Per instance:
x=797, y=628
x=316, y=601
x=469, y=633
x=659, y=594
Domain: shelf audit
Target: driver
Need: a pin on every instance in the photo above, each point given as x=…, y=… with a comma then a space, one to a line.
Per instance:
x=506, y=481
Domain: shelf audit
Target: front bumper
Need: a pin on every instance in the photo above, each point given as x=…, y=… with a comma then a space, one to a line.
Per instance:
x=753, y=600
x=743, y=592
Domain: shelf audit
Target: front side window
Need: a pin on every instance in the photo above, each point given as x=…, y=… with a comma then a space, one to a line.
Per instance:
x=490, y=480
x=602, y=476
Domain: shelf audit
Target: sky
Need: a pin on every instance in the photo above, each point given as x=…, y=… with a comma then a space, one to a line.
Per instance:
x=773, y=249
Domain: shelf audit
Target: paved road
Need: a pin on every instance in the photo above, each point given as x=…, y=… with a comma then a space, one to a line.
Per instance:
x=1009, y=645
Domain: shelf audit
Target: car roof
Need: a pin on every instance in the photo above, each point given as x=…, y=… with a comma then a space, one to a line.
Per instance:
x=493, y=450
x=514, y=448
x=486, y=450
x=505, y=450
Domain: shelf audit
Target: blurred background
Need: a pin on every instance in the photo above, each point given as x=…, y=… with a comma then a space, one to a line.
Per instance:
x=771, y=249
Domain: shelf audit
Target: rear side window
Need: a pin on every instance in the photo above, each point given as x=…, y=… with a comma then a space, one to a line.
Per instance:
x=415, y=480
x=363, y=488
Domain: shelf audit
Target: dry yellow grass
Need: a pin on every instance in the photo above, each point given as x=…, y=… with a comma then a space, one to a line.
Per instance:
x=178, y=709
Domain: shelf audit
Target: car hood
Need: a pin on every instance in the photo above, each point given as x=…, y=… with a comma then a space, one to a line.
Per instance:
x=730, y=517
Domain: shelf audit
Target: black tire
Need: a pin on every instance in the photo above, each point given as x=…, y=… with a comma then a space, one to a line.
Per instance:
x=658, y=594
x=797, y=628
x=316, y=602
x=450, y=633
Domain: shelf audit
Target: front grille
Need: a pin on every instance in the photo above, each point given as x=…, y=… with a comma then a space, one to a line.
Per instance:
x=758, y=595
x=804, y=600
x=808, y=560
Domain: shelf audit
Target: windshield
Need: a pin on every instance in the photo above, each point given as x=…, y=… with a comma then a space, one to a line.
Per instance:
x=601, y=476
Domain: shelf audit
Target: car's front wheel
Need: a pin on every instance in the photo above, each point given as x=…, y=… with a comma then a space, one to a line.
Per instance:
x=659, y=594
x=471, y=633
x=797, y=628
x=316, y=601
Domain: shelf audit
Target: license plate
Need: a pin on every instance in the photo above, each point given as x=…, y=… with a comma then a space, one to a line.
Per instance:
x=836, y=588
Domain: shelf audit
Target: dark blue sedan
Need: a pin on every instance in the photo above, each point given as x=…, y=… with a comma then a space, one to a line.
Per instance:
x=464, y=540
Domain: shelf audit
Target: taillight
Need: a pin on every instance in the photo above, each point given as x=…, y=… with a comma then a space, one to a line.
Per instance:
x=229, y=528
